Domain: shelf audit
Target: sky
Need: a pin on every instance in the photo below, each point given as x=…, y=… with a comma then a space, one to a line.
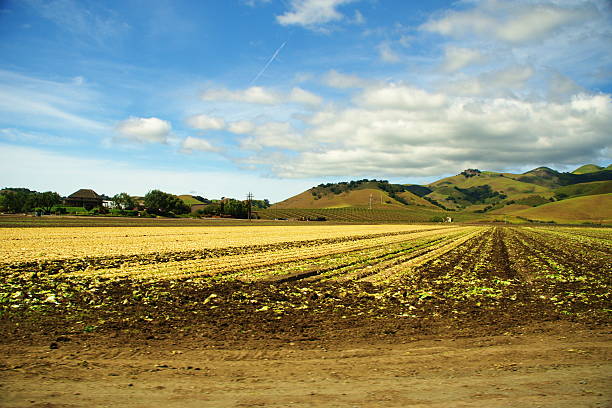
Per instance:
x=222, y=98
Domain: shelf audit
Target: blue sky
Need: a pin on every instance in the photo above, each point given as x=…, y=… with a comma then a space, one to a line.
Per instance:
x=219, y=98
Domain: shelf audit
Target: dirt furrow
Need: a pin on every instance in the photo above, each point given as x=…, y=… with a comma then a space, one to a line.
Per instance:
x=395, y=272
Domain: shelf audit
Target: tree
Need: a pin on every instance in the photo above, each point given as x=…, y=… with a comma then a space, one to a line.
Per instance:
x=124, y=201
x=47, y=200
x=211, y=209
x=16, y=200
x=158, y=202
x=236, y=209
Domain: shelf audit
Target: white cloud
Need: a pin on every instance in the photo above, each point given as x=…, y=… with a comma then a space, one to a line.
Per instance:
x=513, y=22
x=402, y=131
x=339, y=80
x=254, y=94
x=504, y=82
x=241, y=127
x=387, y=54
x=263, y=96
x=400, y=97
x=302, y=96
x=540, y=22
x=456, y=58
x=560, y=88
x=309, y=13
x=199, y=144
x=144, y=130
x=273, y=135
x=205, y=122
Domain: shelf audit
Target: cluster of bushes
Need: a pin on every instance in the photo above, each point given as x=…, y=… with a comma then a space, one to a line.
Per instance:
x=21, y=200
x=532, y=201
x=159, y=203
x=480, y=194
x=470, y=173
x=227, y=207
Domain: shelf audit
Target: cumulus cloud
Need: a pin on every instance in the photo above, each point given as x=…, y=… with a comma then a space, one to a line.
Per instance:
x=195, y=143
x=503, y=82
x=260, y=95
x=310, y=13
x=144, y=130
x=302, y=96
x=402, y=131
x=241, y=127
x=400, y=97
x=204, y=122
x=456, y=58
x=512, y=22
x=335, y=79
x=560, y=87
x=273, y=135
x=254, y=94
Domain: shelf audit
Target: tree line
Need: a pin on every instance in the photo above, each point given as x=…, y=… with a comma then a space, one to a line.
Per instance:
x=155, y=202
x=21, y=200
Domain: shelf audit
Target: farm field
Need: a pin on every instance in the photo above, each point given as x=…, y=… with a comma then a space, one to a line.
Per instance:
x=365, y=215
x=360, y=315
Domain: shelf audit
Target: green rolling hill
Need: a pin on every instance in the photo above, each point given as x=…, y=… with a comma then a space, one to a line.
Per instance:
x=469, y=195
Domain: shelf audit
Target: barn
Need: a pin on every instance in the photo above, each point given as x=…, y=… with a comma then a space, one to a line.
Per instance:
x=84, y=198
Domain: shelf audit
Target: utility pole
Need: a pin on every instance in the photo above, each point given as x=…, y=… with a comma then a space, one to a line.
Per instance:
x=249, y=203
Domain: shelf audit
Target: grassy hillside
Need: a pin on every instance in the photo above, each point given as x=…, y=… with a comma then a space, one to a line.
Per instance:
x=189, y=200
x=465, y=191
x=483, y=194
x=583, y=189
x=448, y=190
x=591, y=208
x=359, y=194
x=587, y=168
x=550, y=178
x=354, y=198
x=509, y=209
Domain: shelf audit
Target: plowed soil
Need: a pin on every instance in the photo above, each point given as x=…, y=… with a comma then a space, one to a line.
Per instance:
x=493, y=322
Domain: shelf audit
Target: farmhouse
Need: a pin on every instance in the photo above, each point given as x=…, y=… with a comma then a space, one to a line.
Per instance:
x=83, y=198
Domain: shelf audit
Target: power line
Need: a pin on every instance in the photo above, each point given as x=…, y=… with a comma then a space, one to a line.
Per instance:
x=249, y=203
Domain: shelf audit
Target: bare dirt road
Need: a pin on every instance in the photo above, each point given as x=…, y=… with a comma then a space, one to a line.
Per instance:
x=557, y=365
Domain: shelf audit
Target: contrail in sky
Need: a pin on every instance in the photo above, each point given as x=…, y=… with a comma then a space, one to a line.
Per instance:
x=268, y=63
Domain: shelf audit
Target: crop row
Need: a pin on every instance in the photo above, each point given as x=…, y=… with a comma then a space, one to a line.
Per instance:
x=514, y=266
x=352, y=214
x=466, y=276
x=37, y=244
x=243, y=265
